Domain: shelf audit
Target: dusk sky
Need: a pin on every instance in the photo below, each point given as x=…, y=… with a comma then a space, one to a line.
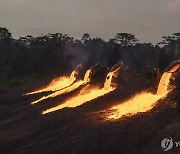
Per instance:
x=149, y=20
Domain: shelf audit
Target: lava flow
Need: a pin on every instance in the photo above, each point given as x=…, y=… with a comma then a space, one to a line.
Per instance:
x=59, y=83
x=92, y=93
x=163, y=84
x=112, y=75
x=57, y=93
x=87, y=75
x=56, y=84
x=67, y=89
x=140, y=103
x=80, y=99
x=145, y=101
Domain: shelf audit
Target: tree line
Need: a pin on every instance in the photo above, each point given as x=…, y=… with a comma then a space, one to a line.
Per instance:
x=30, y=60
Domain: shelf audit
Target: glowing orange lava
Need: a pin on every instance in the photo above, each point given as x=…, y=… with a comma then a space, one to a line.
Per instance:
x=112, y=75
x=164, y=83
x=80, y=99
x=66, y=90
x=89, y=95
x=107, y=84
x=59, y=83
x=142, y=102
x=73, y=76
x=87, y=75
x=56, y=84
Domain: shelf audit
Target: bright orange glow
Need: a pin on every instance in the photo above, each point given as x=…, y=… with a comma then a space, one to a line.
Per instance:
x=163, y=84
x=140, y=103
x=66, y=90
x=87, y=75
x=107, y=84
x=85, y=96
x=73, y=76
x=80, y=99
x=56, y=84
x=113, y=74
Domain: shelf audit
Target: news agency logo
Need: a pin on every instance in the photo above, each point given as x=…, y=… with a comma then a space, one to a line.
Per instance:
x=168, y=143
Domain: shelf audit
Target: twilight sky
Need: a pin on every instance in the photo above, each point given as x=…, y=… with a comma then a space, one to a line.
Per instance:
x=149, y=20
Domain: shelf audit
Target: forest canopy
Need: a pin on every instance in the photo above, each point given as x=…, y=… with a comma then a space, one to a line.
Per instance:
x=30, y=60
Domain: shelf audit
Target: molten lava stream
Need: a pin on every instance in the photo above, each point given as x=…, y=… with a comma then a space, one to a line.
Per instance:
x=164, y=83
x=56, y=84
x=66, y=90
x=140, y=103
x=87, y=75
x=70, y=88
x=80, y=99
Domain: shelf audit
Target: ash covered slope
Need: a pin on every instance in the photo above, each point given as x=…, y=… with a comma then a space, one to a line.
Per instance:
x=83, y=129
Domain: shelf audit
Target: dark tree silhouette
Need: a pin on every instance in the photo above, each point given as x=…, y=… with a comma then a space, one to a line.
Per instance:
x=5, y=35
x=170, y=50
x=125, y=39
x=30, y=60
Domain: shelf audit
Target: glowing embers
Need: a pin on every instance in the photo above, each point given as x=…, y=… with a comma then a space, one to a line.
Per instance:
x=81, y=98
x=142, y=102
x=66, y=90
x=56, y=84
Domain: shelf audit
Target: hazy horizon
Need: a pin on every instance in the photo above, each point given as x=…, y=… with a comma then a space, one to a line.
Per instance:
x=147, y=20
